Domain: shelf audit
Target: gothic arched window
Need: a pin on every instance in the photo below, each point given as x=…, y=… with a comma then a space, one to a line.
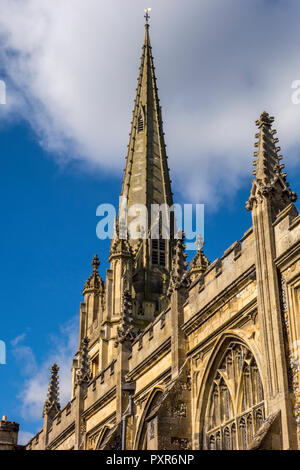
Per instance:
x=147, y=433
x=235, y=407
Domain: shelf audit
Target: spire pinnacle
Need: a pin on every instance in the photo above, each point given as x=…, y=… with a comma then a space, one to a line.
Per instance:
x=94, y=282
x=125, y=331
x=199, y=264
x=269, y=178
x=52, y=403
x=120, y=246
x=179, y=271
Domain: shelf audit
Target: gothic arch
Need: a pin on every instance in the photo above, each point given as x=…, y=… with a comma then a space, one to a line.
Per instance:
x=230, y=394
x=151, y=401
x=102, y=435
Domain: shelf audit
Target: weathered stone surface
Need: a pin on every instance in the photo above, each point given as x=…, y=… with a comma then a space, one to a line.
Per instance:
x=210, y=356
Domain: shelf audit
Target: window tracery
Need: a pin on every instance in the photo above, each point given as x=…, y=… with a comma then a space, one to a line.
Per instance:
x=235, y=408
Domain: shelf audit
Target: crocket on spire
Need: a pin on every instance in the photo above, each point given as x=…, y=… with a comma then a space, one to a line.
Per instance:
x=52, y=404
x=83, y=374
x=179, y=273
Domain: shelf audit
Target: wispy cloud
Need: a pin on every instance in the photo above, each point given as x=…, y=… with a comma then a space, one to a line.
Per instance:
x=24, y=437
x=14, y=342
x=25, y=355
x=34, y=388
x=72, y=66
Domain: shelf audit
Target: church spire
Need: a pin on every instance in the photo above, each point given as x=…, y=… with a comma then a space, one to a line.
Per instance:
x=146, y=183
x=146, y=180
x=269, y=180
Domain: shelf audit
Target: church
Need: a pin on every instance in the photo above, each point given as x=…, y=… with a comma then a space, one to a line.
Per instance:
x=178, y=357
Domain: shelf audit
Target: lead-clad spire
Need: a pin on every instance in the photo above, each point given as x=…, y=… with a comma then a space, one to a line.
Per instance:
x=269, y=178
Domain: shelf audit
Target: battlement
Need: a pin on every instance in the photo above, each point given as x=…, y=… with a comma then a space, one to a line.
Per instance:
x=36, y=442
x=150, y=339
x=8, y=434
x=221, y=276
x=62, y=421
x=101, y=385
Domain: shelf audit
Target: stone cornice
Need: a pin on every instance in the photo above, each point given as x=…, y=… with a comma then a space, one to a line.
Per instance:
x=242, y=314
x=290, y=255
x=107, y=397
x=62, y=436
x=147, y=363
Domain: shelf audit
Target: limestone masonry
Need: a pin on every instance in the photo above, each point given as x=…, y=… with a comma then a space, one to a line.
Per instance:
x=178, y=358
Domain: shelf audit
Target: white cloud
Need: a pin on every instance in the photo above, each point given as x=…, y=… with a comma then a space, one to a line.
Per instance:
x=219, y=64
x=18, y=339
x=34, y=389
x=25, y=355
x=24, y=437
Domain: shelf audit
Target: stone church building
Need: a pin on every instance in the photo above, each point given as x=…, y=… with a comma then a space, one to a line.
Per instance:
x=178, y=357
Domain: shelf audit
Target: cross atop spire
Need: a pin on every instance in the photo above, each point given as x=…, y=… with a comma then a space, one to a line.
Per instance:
x=147, y=16
x=269, y=178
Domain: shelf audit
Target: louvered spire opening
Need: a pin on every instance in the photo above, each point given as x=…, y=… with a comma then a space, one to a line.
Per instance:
x=140, y=122
x=159, y=252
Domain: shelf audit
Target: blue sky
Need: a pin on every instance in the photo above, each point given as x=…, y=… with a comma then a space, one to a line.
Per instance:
x=62, y=152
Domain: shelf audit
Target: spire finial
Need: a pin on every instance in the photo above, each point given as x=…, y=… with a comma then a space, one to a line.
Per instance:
x=147, y=16
x=200, y=263
x=95, y=263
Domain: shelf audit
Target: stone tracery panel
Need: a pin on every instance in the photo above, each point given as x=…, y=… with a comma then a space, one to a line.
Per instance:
x=235, y=406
